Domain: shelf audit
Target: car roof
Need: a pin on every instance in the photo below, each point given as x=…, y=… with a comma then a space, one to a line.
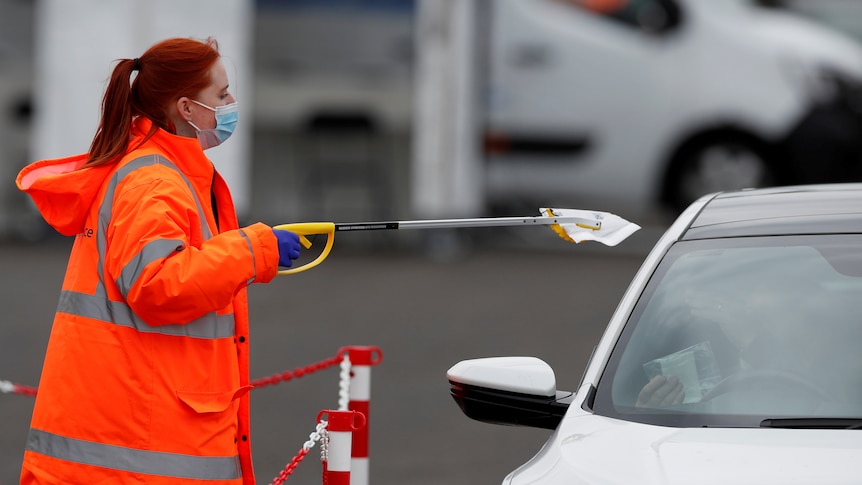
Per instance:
x=804, y=209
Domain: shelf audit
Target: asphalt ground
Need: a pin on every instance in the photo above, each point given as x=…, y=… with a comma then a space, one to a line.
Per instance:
x=425, y=311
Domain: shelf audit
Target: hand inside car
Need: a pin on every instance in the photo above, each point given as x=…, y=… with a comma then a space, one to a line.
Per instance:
x=661, y=391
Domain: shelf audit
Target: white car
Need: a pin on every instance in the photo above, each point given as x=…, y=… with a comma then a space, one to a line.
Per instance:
x=733, y=357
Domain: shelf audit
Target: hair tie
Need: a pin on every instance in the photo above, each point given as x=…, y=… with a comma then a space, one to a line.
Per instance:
x=137, y=65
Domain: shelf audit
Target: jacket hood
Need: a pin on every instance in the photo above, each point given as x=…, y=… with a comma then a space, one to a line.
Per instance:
x=64, y=190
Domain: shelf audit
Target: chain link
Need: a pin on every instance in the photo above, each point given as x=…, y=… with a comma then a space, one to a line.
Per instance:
x=324, y=445
x=344, y=384
x=296, y=373
x=319, y=434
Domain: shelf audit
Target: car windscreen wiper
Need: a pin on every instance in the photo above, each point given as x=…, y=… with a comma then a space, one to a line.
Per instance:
x=812, y=423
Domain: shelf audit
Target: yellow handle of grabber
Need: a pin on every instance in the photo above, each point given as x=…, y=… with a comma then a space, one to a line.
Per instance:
x=306, y=228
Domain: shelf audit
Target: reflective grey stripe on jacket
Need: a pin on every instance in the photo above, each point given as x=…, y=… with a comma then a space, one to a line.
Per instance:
x=134, y=461
x=152, y=251
x=210, y=326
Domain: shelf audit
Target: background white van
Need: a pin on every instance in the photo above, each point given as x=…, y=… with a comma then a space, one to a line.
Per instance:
x=646, y=101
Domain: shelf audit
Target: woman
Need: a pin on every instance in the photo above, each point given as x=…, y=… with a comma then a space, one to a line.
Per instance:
x=145, y=379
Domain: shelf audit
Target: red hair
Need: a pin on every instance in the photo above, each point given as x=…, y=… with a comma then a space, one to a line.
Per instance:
x=167, y=71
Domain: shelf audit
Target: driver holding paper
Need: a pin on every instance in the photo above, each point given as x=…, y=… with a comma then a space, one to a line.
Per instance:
x=763, y=330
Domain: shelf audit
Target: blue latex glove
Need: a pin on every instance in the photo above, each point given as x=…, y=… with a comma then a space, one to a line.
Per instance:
x=288, y=247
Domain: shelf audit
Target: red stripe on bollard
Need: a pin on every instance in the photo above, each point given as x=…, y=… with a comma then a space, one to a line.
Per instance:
x=337, y=478
x=360, y=436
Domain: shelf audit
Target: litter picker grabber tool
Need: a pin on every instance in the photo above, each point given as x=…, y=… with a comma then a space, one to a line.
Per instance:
x=570, y=224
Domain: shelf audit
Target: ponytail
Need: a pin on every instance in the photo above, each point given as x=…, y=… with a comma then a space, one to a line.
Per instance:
x=115, y=126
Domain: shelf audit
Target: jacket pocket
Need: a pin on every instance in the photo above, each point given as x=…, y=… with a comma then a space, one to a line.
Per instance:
x=211, y=402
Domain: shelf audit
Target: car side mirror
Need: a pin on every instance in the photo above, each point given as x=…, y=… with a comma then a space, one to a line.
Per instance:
x=518, y=391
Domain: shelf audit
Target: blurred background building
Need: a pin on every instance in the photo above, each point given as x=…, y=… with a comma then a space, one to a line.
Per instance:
x=393, y=109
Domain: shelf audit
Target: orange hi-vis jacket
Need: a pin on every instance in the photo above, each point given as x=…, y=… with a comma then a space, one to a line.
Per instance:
x=146, y=374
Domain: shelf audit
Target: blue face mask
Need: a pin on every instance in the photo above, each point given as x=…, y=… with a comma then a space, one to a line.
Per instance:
x=226, y=117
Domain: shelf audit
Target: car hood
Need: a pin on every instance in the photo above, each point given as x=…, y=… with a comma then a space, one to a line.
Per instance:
x=595, y=450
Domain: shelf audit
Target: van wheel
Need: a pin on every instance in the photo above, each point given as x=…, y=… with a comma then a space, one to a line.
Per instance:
x=718, y=164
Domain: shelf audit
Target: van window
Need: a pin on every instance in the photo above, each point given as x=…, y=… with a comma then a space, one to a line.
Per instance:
x=647, y=15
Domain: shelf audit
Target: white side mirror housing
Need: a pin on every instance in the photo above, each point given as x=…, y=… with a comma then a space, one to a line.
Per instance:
x=524, y=375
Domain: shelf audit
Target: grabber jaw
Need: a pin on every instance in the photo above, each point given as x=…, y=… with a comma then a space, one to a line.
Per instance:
x=562, y=232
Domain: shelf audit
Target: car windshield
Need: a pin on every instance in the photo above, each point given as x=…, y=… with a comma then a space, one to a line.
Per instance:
x=732, y=332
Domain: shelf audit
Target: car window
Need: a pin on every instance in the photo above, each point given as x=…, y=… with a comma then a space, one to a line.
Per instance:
x=730, y=332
